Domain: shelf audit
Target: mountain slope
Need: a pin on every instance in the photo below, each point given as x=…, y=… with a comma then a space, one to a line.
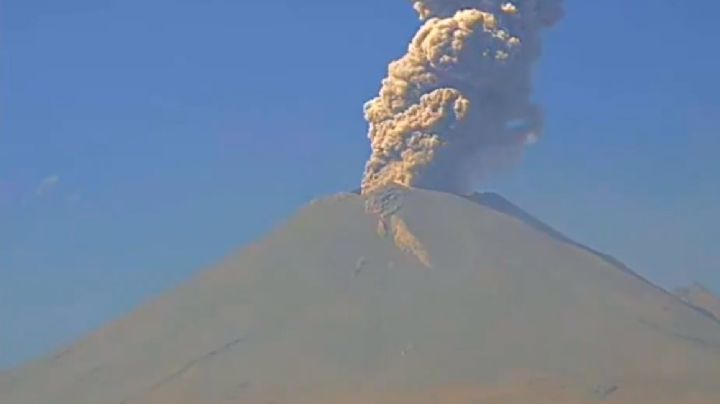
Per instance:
x=409, y=297
x=500, y=204
x=701, y=298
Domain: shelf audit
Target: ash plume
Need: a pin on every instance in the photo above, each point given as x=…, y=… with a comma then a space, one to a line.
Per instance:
x=457, y=104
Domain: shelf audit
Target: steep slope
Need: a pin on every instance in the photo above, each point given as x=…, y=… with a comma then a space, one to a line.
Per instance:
x=700, y=297
x=408, y=297
x=500, y=204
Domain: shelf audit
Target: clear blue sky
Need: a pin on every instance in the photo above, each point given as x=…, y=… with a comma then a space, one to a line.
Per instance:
x=143, y=140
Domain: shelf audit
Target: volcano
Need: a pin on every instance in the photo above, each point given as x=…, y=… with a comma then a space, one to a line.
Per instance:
x=400, y=296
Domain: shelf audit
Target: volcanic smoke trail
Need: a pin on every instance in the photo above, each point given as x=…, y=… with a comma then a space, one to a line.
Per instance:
x=458, y=103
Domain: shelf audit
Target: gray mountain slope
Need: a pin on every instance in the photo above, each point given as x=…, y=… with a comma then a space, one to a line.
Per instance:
x=500, y=204
x=415, y=297
x=701, y=298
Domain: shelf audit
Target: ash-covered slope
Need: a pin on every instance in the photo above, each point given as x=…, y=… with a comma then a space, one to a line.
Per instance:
x=500, y=204
x=400, y=297
x=700, y=297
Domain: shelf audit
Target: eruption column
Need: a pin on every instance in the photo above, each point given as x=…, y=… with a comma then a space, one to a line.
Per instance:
x=457, y=104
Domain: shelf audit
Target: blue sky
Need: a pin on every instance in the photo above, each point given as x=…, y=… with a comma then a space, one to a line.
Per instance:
x=143, y=140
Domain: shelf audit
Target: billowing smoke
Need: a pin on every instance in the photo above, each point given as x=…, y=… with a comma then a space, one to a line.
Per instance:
x=458, y=103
